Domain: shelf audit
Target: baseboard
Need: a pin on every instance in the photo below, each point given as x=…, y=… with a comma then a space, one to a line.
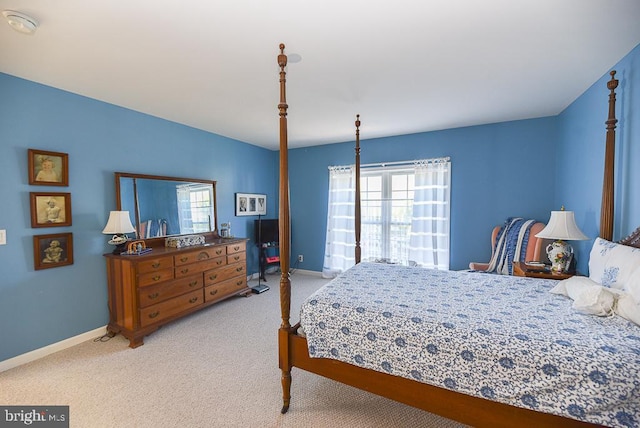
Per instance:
x=50, y=349
x=309, y=272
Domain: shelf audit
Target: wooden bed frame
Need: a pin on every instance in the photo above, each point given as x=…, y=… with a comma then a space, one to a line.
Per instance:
x=464, y=408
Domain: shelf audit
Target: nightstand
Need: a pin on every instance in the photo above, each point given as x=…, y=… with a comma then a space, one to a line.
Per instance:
x=521, y=269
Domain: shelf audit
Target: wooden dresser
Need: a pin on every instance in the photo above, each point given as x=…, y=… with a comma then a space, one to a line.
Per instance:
x=147, y=291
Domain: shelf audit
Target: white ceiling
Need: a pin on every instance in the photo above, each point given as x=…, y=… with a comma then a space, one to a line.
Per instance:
x=405, y=66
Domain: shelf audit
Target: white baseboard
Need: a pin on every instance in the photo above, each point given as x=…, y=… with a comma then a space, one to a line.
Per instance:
x=50, y=349
x=309, y=272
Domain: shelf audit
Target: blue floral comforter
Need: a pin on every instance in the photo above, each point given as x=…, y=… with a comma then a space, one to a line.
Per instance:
x=499, y=337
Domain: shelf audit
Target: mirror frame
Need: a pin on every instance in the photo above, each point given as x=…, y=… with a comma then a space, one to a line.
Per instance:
x=159, y=241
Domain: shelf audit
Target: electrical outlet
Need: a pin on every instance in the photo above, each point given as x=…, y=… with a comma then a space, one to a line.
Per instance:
x=3, y=237
x=300, y=258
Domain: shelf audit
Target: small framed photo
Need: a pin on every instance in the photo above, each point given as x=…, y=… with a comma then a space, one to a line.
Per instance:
x=251, y=204
x=53, y=250
x=48, y=168
x=50, y=209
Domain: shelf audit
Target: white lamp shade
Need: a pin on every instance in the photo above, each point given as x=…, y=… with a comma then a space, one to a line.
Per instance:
x=562, y=225
x=119, y=222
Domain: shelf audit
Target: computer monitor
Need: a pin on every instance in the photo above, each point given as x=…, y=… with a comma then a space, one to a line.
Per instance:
x=266, y=231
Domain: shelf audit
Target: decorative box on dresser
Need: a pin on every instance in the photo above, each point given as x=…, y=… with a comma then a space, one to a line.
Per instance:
x=149, y=290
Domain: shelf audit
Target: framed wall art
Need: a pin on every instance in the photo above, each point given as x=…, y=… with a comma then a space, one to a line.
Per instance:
x=50, y=209
x=251, y=204
x=48, y=168
x=53, y=250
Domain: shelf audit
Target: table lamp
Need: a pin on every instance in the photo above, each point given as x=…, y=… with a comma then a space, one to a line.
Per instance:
x=118, y=225
x=561, y=227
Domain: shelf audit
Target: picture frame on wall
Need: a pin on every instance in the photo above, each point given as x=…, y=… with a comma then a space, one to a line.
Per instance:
x=53, y=250
x=251, y=204
x=50, y=209
x=48, y=168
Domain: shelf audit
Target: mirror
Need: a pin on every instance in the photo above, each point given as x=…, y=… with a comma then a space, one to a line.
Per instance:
x=165, y=206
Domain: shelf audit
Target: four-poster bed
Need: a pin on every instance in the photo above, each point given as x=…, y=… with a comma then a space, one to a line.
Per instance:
x=441, y=400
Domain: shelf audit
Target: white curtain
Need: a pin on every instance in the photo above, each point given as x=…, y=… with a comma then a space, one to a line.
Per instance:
x=340, y=240
x=430, y=224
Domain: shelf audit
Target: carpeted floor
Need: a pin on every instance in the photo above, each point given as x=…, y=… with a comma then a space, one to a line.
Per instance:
x=215, y=368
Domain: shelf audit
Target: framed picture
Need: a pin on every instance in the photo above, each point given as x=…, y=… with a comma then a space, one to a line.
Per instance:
x=48, y=168
x=53, y=250
x=50, y=209
x=251, y=204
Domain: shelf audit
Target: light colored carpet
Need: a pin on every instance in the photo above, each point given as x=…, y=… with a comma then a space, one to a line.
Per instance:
x=214, y=368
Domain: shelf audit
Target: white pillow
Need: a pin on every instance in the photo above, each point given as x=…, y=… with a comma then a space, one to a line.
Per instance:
x=572, y=283
x=628, y=308
x=588, y=296
x=594, y=300
x=612, y=264
x=632, y=286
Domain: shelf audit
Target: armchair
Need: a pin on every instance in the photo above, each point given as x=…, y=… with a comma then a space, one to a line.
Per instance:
x=532, y=253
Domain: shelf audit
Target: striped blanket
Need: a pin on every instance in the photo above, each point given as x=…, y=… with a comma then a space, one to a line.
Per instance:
x=511, y=245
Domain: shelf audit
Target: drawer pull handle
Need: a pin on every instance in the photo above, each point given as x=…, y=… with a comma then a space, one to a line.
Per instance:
x=218, y=252
x=236, y=258
x=193, y=300
x=213, y=292
x=184, y=259
x=203, y=255
x=212, y=277
x=239, y=283
x=154, y=314
x=184, y=270
x=236, y=248
x=219, y=262
x=154, y=296
x=156, y=278
x=193, y=284
x=156, y=265
x=239, y=269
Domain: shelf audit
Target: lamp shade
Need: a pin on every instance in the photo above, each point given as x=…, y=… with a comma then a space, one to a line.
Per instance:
x=119, y=222
x=562, y=225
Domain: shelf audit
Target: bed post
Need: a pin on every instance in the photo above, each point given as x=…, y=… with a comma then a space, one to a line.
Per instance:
x=606, y=214
x=284, y=226
x=357, y=212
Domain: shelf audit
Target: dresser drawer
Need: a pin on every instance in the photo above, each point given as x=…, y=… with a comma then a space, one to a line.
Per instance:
x=154, y=277
x=200, y=255
x=236, y=257
x=186, y=270
x=237, y=247
x=154, y=265
x=229, y=271
x=224, y=288
x=157, y=293
x=155, y=313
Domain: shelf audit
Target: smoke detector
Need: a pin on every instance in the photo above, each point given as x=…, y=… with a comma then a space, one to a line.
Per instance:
x=20, y=22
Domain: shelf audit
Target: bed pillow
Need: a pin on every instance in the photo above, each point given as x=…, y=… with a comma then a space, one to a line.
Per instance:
x=611, y=264
x=632, y=286
x=588, y=296
x=628, y=308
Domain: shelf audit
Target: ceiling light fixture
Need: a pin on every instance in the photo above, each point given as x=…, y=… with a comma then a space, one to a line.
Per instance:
x=20, y=22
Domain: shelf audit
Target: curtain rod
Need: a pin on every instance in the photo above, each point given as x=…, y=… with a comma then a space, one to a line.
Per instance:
x=383, y=164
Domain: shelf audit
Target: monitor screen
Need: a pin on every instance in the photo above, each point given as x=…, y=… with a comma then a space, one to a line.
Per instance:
x=266, y=231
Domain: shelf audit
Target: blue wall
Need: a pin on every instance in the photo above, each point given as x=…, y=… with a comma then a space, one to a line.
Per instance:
x=38, y=308
x=498, y=170
x=581, y=155
x=524, y=168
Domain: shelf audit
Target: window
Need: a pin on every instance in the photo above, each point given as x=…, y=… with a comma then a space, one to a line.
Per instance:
x=405, y=215
x=386, y=205
x=194, y=208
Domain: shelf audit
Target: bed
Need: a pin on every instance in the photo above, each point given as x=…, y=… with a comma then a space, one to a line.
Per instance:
x=450, y=374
